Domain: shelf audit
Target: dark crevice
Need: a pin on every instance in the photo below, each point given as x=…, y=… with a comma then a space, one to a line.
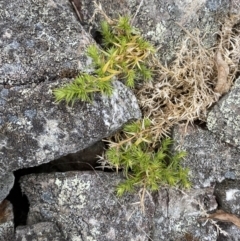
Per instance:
x=79, y=161
x=19, y=202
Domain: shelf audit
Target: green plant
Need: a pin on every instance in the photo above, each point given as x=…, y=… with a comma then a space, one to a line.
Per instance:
x=143, y=164
x=125, y=55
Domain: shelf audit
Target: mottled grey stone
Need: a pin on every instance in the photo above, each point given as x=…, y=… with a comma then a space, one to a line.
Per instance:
x=157, y=19
x=6, y=184
x=36, y=130
x=84, y=206
x=228, y=196
x=43, y=46
x=224, y=118
x=45, y=231
x=86, y=159
x=6, y=221
x=39, y=40
x=209, y=159
x=178, y=213
x=232, y=231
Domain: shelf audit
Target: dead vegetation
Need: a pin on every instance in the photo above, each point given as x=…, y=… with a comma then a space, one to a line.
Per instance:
x=195, y=80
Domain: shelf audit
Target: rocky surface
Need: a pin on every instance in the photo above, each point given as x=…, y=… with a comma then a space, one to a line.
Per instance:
x=224, y=118
x=209, y=159
x=38, y=131
x=84, y=206
x=33, y=128
x=162, y=21
x=6, y=221
x=40, y=231
x=43, y=46
x=227, y=194
x=39, y=40
x=72, y=201
x=6, y=184
x=178, y=214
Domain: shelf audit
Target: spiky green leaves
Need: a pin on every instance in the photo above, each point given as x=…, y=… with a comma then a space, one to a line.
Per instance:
x=145, y=166
x=127, y=52
x=125, y=55
x=148, y=169
x=82, y=88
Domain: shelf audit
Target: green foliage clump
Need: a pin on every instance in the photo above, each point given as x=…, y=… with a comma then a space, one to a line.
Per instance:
x=125, y=55
x=145, y=166
x=146, y=161
x=83, y=88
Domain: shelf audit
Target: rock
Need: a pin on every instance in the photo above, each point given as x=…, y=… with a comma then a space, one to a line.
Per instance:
x=224, y=117
x=84, y=206
x=39, y=131
x=6, y=184
x=232, y=231
x=40, y=231
x=6, y=221
x=157, y=19
x=178, y=213
x=40, y=41
x=209, y=159
x=227, y=194
x=43, y=43
x=86, y=159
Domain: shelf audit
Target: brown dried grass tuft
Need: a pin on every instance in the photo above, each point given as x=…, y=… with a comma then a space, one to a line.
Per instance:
x=194, y=81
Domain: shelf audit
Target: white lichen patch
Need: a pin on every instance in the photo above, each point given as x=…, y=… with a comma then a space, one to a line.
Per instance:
x=72, y=190
x=231, y=194
x=157, y=34
x=50, y=136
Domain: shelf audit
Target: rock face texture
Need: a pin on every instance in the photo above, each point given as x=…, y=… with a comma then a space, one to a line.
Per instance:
x=162, y=22
x=6, y=221
x=84, y=206
x=39, y=231
x=43, y=46
x=224, y=118
x=36, y=130
x=177, y=215
x=39, y=41
x=6, y=184
x=209, y=159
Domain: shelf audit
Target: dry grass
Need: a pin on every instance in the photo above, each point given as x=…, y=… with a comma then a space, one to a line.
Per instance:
x=194, y=81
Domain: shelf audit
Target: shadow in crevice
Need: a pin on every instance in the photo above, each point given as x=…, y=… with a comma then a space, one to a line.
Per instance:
x=80, y=161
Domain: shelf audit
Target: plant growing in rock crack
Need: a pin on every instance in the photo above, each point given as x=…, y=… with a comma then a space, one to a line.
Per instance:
x=145, y=162
x=125, y=56
x=145, y=165
x=179, y=92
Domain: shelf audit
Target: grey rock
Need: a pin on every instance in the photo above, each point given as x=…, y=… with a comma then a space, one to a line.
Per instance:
x=84, y=206
x=224, y=118
x=36, y=130
x=51, y=45
x=209, y=159
x=157, y=19
x=86, y=159
x=232, y=231
x=6, y=221
x=178, y=213
x=228, y=196
x=40, y=41
x=45, y=231
x=6, y=184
